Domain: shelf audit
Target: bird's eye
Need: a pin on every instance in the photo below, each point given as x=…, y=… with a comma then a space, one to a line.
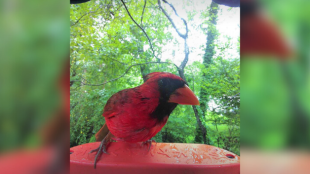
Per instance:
x=160, y=82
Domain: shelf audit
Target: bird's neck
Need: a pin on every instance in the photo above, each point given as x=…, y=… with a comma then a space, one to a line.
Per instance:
x=163, y=108
x=149, y=90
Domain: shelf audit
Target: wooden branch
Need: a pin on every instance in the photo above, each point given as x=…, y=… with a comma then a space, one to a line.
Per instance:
x=184, y=36
x=127, y=72
x=186, y=52
x=141, y=29
x=143, y=11
x=193, y=79
x=183, y=64
x=116, y=60
x=200, y=125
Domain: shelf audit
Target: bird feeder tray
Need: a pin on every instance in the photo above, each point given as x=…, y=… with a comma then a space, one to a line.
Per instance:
x=160, y=158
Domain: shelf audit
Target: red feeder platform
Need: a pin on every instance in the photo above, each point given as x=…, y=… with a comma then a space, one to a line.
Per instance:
x=161, y=158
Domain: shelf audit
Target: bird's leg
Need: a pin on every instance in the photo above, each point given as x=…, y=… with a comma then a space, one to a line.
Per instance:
x=102, y=148
x=149, y=143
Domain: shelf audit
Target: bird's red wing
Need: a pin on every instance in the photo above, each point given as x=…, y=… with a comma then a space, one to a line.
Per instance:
x=114, y=105
x=112, y=109
x=127, y=115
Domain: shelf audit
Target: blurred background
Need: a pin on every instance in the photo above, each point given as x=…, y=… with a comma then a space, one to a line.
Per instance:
x=275, y=86
x=34, y=73
x=275, y=83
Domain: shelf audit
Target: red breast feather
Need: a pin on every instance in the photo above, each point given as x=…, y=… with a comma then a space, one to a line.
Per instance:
x=132, y=114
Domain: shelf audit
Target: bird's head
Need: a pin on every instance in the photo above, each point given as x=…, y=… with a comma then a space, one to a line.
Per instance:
x=172, y=88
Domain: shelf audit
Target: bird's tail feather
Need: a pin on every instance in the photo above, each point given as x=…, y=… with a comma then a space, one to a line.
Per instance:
x=103, y=132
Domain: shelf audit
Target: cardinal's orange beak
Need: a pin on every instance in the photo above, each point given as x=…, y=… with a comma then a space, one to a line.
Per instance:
x=184, y=96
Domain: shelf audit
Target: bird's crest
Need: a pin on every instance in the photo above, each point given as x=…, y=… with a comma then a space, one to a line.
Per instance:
x=161, y=74
x=151, y=75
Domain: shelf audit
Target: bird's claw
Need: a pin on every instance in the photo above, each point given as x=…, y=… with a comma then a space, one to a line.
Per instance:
x=149, y=143
x=102, y=148
x=96, y=150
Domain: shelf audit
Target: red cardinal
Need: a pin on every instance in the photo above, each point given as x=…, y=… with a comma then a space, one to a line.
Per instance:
x=138, y=114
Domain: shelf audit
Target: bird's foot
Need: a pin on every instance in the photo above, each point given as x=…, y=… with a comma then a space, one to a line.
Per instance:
x=101, y=149
x=148, y=143
x=96, y=150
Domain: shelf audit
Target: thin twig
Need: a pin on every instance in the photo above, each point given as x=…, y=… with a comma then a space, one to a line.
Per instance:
x=141, y=29
x=184, y=36
x=127, y=72
x=186, y=51
x=193, y=79
x=143, y=11
x=184, y=62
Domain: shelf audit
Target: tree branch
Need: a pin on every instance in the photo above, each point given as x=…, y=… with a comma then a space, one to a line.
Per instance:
x=143, y=11
x=184, y=36
x=127, y=72
x=141, y=29
x=186, y=52
x=184, y=62
x=193, y=79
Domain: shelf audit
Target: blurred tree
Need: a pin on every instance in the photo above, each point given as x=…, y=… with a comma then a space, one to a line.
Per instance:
x=207, y=60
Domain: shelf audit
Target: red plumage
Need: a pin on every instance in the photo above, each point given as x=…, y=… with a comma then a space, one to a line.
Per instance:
x=138, y=114
x=127, y=112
